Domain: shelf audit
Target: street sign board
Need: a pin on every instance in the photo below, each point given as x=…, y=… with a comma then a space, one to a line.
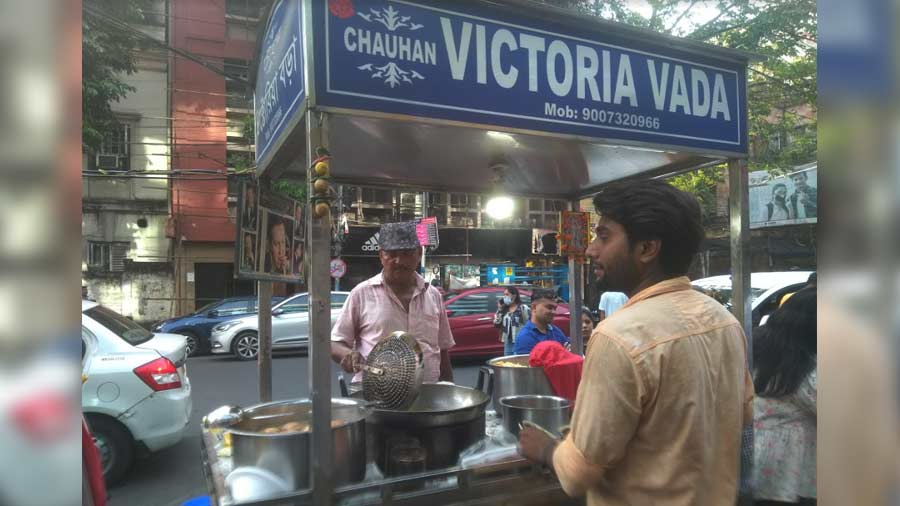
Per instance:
x=280, y=87
x=495, y=67
x=338, y=268
x=427, y=231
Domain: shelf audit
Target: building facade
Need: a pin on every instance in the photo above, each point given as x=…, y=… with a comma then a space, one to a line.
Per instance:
x=125, y=195
x=158, y=201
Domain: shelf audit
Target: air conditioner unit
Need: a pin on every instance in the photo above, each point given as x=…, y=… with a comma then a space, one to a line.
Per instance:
x=110, y=162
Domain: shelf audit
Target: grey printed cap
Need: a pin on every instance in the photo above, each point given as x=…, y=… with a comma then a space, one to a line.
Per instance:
x=394, y=236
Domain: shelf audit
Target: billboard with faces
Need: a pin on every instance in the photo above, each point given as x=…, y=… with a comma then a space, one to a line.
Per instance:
x=789, y=199
x=271, y=236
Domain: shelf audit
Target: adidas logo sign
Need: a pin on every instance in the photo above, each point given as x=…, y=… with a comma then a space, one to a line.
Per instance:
x=372, y=243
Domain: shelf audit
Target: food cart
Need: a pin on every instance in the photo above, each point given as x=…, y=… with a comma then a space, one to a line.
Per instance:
x=469, y=96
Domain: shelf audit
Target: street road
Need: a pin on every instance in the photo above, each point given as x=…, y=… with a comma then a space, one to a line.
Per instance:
x=174, y=475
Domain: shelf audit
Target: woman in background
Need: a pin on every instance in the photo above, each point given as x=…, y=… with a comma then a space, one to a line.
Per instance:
x=511, y=316
x=777, y=209
x=784, y=421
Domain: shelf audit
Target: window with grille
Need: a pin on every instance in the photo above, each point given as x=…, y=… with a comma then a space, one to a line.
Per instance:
x=106, y=256
x=544, y=213
x=115, y=149
x=97, y=255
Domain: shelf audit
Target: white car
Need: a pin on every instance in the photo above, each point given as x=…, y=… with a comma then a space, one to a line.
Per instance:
x=290, y=327
x=137, y=395
x=766, y=289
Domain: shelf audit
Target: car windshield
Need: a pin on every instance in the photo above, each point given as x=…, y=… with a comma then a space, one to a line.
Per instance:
x=127, y=329
x=206, y=308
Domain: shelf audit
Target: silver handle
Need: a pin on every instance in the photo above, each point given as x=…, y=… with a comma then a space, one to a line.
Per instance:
x=223, y=417
x=486, y=318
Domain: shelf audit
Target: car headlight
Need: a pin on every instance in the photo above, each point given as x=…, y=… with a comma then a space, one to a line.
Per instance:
x=222, y=327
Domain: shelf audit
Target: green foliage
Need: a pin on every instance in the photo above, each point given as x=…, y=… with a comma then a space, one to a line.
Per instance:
x=107, y=54
x=248, y=128
x=702, y=184
x=240, y=161
x=292, y=189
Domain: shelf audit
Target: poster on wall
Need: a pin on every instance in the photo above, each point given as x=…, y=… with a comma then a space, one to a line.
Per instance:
x=271, y=240
x=574, y=233
x=789, y=199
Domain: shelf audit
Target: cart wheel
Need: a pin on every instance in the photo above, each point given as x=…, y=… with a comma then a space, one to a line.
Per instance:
x=246, y=346
x=114, y=445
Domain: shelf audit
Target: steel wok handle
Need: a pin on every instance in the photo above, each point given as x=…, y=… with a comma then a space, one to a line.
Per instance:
x=482, y=372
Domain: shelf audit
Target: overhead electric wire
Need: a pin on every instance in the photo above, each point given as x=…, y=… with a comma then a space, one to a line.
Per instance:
x=115, y=22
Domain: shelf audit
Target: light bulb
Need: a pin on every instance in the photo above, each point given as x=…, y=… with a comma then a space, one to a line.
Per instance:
x=499, y=207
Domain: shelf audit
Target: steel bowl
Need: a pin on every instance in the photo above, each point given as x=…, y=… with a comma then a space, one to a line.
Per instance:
x=550, y=412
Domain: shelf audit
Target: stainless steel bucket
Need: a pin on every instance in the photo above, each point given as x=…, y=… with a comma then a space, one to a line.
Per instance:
x=551, y=413
x=521, y=380
x=287, y=454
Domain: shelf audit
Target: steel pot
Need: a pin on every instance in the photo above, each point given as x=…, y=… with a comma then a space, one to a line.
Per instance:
x=551, y=413
x=520, y=380
x=287, y=454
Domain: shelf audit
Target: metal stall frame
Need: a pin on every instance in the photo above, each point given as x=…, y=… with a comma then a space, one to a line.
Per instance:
x=317, y=126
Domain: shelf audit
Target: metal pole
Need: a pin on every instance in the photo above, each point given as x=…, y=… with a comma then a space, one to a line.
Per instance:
x=738, y=188
x=319, y=326
x=576, y=297
x=264, y=356
x=738, y=198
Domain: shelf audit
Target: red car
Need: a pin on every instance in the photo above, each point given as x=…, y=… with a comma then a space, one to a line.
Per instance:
x=471, y=314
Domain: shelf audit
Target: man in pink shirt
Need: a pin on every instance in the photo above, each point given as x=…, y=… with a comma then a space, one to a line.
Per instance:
x=396, y=299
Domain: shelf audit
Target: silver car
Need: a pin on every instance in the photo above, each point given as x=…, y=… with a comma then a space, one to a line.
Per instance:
x=290, y=327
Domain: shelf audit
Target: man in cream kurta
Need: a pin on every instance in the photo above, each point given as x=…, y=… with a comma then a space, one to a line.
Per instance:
x=665, y=390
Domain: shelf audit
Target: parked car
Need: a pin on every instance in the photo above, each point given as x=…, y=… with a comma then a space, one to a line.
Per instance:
x=766, y=290
x=137, y=395
x=197, y=326
x=471, y=315
x=290, y=327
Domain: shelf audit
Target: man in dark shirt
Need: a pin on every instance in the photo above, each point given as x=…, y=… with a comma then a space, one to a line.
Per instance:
x=543, y=309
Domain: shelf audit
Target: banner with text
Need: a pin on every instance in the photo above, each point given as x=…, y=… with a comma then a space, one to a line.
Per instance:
x=280, y=92
x=492, y=66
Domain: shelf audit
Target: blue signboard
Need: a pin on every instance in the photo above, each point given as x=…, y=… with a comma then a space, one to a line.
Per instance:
x=479, y=64
x=280, y=89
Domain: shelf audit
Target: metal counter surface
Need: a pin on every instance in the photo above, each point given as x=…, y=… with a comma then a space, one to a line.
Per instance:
x=489, y=472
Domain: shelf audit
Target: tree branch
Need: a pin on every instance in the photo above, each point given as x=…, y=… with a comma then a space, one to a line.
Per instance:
x=709, y=23
x=683, y=14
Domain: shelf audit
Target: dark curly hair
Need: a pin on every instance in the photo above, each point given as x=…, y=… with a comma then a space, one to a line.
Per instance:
x=656, y=210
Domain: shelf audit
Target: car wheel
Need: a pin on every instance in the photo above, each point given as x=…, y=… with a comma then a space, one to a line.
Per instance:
x=115, y=446
x=192, y=344
x=246, y=346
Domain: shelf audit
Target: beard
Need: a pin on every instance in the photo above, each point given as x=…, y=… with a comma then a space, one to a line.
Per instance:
x=620, y=274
